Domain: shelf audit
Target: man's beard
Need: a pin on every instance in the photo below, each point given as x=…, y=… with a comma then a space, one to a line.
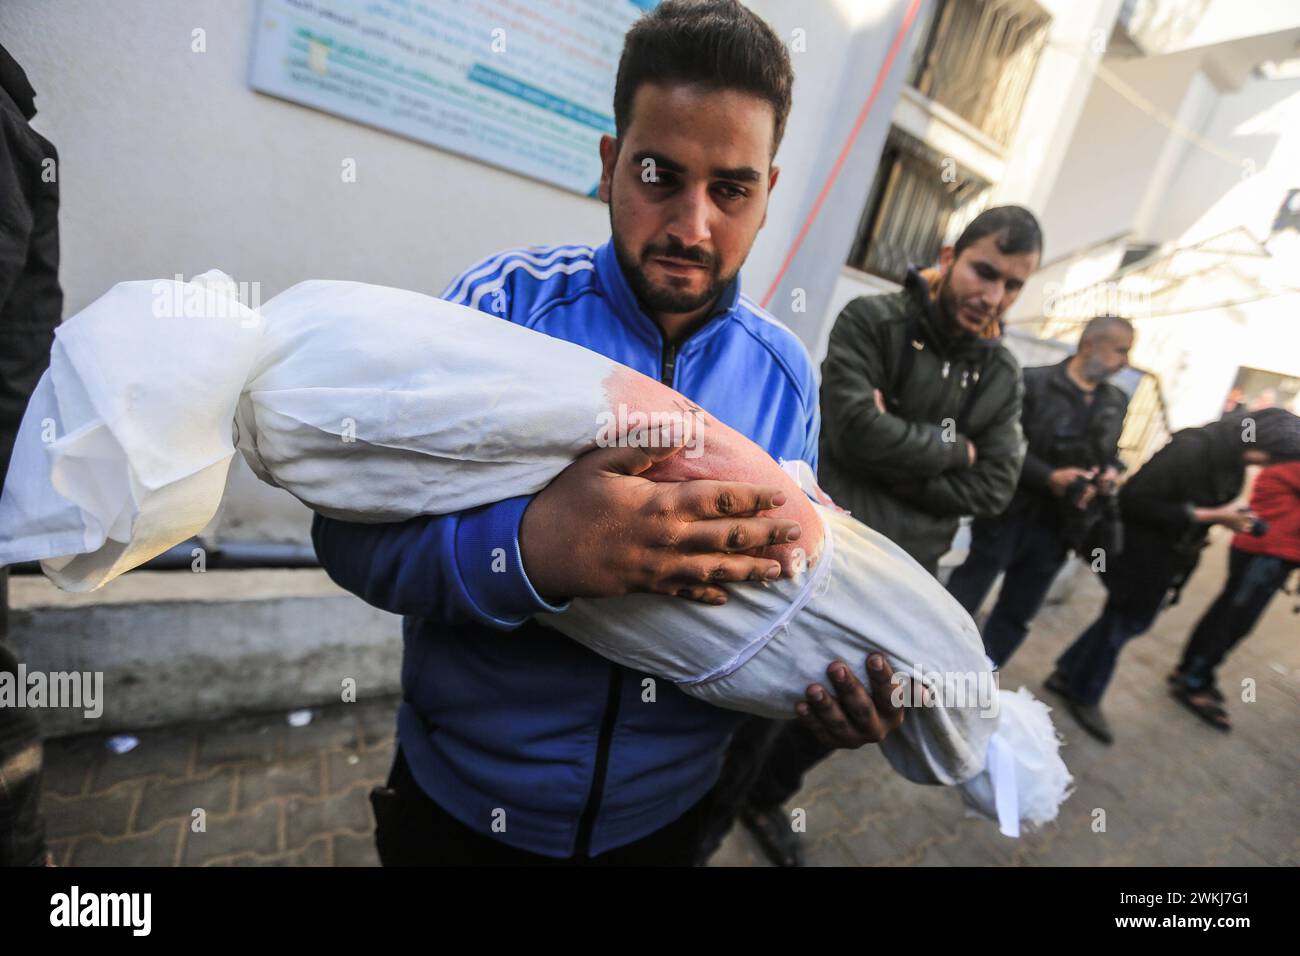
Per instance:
x=1095, y=371
x=656, y=299
x=948, y=309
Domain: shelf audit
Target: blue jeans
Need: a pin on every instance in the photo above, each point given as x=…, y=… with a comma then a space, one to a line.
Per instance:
x=1088, y=663
x=1029, y=548
x=1253, y=579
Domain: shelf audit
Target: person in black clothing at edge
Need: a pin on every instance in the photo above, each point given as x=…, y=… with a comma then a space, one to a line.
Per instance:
x=1072, y=419
x=1168, y=507
x=31, y=303
x=920, y=425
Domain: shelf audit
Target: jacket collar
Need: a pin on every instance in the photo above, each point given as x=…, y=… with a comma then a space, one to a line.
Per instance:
x=1104, y=391
x=14, y=82
x=1061, y=379
x=625, y=305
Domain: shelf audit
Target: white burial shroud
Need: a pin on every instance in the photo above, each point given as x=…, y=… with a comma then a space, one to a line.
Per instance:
x=375, y=404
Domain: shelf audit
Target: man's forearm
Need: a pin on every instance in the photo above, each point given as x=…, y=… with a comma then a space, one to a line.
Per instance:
x=456, y=569
x=882, y=445
x=982, y=491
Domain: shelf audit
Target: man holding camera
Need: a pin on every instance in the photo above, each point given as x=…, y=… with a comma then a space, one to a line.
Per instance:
x=1072, y=419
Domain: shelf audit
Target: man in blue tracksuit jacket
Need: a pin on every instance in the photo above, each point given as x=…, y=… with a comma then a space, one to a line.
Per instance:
x=515, y=743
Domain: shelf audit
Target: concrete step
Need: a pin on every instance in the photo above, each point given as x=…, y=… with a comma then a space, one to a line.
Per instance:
x=179, y=646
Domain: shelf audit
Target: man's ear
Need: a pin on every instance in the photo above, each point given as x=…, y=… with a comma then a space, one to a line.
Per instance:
x=608, y=158
x=946, y=259
x=771, y=184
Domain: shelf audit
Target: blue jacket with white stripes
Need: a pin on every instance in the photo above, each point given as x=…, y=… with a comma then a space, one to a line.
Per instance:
x=500, y=713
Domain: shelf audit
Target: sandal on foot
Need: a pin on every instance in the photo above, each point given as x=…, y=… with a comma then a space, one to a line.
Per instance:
x=1209, y=711
x=1178, y=681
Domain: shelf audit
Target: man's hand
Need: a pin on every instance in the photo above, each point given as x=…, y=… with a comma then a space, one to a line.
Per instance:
x=1109, y=480
x=971, y=453
x=1061, y=479
x=852, y=717
x=600, y=530
x=1232, y=516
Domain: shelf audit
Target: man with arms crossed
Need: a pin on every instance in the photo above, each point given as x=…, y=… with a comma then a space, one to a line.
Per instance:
x=922, y=425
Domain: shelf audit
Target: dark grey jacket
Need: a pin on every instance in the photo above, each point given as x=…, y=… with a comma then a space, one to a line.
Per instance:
x=31, y=301
x=905, y=472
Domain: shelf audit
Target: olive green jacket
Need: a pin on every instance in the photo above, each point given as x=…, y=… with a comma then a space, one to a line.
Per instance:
x=906, y=471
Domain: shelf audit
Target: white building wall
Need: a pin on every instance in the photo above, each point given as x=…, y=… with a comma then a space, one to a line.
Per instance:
x=1260, y=124
x=1127, y=173
x=1115, y=147
x=830, y=81
x=1054, y=103
x=171, y=163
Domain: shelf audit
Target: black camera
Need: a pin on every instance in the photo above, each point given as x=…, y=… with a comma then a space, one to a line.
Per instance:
x=1258, y=528
x=1098, y=525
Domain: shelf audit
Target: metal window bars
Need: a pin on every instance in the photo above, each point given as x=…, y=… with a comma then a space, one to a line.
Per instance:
x=913, y=202
x=978, y=59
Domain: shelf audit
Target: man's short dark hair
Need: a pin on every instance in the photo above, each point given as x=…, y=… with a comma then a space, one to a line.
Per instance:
x=1015, y=228
x=714, y=44
x=1102, y=324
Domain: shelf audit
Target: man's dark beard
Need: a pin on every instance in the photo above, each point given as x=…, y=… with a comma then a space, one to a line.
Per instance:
x=1095, y=371
x=671, y=301
x=947, y=307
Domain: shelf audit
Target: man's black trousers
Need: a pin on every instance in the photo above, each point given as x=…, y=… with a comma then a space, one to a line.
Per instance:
x=1028, y=546
x=413, y=830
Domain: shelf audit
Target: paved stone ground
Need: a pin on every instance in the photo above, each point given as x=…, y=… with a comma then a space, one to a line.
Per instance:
x=1174, y=791
x=271, y=794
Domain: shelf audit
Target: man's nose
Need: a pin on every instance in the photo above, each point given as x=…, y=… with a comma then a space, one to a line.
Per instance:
x=690, y=222
x=993, y=295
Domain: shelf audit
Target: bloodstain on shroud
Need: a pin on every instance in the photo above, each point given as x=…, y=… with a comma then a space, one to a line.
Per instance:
x=714, y=451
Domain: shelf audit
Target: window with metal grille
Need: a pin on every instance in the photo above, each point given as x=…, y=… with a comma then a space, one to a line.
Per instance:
x=977, y=59
x=914, y=200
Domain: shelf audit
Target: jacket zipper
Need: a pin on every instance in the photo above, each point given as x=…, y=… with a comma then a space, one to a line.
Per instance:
x=937, y=408
x=586, y=822
x=667, y=371
x=592, y=809
x=668, y=364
